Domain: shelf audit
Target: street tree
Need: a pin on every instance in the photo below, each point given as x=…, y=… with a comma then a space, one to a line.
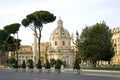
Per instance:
x=13, y=29
x=11, y=45
x=94, y=44
x=3, y=35
x=36, y=20
x=6, y=40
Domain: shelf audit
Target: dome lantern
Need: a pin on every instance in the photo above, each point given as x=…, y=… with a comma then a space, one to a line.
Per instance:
x=60, y=23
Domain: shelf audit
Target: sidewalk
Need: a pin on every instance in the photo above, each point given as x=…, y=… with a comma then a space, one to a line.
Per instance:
x=101, y=71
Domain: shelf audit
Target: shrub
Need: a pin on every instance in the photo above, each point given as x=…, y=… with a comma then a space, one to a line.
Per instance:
x=23, y=64
x=47, y=66
x=76, y=64
x=30, y=63
x=16, y=64
x=39, y=66
x=11, y=62
x=52, y=62
x=58, y=64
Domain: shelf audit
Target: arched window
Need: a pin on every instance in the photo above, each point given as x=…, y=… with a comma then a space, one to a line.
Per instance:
x=55, y=43
x=63, y=43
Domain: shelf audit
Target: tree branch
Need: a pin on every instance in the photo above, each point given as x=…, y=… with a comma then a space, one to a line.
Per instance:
x=34, y=30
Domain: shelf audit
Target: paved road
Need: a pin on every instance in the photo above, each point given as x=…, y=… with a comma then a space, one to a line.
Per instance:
x=84, y=75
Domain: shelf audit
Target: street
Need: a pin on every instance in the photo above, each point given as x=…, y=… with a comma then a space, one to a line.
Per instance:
x=84, y=75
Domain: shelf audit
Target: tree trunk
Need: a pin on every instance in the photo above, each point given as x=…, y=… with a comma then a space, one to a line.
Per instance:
x=39, y=46
x=39, y=40
x=93, y=64
x=17, y=48
x=1, y=58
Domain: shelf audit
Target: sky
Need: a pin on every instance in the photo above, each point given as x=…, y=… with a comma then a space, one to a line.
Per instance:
x=76, y=15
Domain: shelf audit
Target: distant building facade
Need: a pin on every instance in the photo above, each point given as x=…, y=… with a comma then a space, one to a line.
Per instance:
x=24, y=53
x=116, y=42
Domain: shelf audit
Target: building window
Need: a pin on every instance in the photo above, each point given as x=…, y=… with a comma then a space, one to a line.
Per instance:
x=55, y=43
x=19, y=56
x=63, y=43
x=22, y=56
x=56, y=33
x=26, y=57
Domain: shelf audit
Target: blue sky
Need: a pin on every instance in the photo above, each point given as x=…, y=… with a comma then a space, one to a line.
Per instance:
x=74, y=13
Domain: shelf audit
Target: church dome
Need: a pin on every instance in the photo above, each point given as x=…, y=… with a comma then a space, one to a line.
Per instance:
x=60, y=31
x=60, y=38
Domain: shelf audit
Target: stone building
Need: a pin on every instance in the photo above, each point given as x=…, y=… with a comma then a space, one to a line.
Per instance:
x=60, y=44
x=116, y=42
x=24, y=53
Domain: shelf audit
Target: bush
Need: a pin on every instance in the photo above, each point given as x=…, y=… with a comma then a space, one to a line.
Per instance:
x=76, y=64
x=52, y=62
x=30, y=63
x=58, y=64
x=47, y=66
x=23, y=64
x=39, y=66
x=16, y=64
x=11, y=61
